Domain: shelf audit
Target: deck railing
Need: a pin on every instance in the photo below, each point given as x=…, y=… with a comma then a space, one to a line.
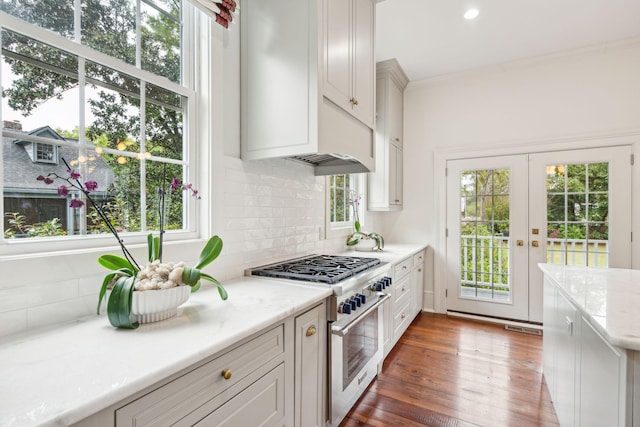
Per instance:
x=485, y=259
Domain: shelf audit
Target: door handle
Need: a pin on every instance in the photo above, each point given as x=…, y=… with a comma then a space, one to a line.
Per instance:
x=535, y=243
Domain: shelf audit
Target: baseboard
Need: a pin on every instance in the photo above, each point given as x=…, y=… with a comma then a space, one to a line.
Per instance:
x=512, y=325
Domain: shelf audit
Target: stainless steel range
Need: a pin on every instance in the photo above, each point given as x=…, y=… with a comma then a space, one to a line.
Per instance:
x=360, y=287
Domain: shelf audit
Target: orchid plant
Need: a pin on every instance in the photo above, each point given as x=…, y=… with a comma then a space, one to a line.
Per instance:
x=126, y=275
x=357, y=236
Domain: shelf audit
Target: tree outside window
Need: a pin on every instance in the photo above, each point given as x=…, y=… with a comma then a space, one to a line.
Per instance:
x=341, y=188
x=117, y=111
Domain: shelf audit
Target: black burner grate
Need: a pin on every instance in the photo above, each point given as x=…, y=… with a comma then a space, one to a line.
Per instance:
x=328, y=269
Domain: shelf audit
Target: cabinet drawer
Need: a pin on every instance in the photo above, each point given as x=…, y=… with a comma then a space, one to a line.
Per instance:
x=400, y=294
x=418, y=259
x=402, y=269
x=401, y=320
x=260, y=404
x=175, y=400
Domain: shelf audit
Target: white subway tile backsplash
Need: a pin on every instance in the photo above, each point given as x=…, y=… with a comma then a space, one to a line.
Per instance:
x=12, y=322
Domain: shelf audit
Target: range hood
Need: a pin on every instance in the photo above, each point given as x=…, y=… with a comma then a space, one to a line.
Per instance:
x=288, y=108
x=332, y=164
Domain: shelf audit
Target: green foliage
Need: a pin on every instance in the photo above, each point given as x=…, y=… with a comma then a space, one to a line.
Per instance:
x=19, y=228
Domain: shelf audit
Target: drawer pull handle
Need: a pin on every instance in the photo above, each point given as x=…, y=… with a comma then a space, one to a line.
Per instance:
x=226, y=374
x=311, y=331
x=403, y=316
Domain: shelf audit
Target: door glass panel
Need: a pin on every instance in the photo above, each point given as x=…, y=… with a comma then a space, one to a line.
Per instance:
x=484, y=235
x=577, y=214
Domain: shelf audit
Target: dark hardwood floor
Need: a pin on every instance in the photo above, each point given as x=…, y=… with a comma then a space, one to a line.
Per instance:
x=453, y=372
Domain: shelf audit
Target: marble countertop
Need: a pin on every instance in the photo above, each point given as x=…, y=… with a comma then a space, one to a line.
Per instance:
x=60, y=376
x=392, y=253
x=608, y=298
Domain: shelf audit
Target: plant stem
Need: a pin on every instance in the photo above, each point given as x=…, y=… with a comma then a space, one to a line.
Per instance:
x=110, y=226
x=164, y=173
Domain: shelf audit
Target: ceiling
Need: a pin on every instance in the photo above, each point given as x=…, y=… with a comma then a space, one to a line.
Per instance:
x=431, y=37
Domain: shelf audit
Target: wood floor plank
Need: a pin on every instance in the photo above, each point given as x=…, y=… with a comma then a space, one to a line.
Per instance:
x=452, y=372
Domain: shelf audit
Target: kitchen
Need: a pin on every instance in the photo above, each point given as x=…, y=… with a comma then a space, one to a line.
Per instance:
x=288, y=202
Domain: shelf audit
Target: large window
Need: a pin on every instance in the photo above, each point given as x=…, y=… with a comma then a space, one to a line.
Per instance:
x=100, y=85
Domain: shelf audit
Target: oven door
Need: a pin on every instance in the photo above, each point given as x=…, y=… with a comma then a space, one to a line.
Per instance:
x=356, y=352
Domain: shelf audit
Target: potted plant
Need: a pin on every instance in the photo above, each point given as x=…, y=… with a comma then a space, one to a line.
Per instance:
x=126, y=276
x=359, y=239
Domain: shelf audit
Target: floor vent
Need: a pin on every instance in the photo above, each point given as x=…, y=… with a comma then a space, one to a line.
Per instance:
x=523, y=329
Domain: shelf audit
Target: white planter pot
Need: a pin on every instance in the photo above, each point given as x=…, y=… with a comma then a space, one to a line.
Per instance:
x=365, y=245
x=159, y=304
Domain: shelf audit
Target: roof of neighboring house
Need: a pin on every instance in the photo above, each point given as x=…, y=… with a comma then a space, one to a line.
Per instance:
x=20, y=172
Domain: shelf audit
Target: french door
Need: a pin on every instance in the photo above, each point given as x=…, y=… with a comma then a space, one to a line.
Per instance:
x=507, y=214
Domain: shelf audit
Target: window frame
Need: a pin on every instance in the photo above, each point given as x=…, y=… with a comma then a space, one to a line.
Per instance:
x=17, y=247
x=335, y=229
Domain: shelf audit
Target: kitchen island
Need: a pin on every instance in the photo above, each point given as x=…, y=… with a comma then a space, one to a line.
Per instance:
x=88, y=368
x=591, y=344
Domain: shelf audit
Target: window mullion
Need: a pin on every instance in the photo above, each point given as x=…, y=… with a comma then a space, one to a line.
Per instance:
x=141, y=156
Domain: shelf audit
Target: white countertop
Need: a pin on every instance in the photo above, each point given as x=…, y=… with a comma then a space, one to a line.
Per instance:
x=393, y=252
x=608, y=298
x=60, y=376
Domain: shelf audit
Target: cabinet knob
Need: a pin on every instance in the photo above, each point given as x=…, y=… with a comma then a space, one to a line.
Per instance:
x=403, y=316
x=419, y=270
x=397, y=201
x=535, y=244
x=354, y=101
x=311, y=331
x=403, y=289
x=226, y=374
x=397, y=139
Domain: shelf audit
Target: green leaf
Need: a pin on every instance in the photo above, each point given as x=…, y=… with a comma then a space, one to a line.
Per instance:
x=210, y=252
x=354, y=238
x=103, y=289
x=196, y=287
x=356, y=225
x=114, y=262
x=153, y=247
x=119, y=303
x=191, y=276
x=221, y=290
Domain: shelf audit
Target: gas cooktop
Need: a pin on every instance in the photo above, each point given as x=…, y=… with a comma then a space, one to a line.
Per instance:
x=328, y=269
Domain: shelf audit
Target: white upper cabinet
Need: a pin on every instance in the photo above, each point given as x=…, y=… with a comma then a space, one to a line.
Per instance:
x=386, y=183
x=308, y=82
x=349, y=69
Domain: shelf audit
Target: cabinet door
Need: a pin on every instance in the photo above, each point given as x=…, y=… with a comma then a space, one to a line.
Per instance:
x=260, y=404
x=309, y=372
x=337, y=52
x=602, y=381
x=565, y=403
x=418, y=282
x=395, y=100
x=395, y=175
x=364, y=61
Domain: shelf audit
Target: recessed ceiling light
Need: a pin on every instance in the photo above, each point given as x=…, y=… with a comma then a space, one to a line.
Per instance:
x=471, y=14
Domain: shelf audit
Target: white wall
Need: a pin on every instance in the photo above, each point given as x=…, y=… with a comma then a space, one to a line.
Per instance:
x=580, y=99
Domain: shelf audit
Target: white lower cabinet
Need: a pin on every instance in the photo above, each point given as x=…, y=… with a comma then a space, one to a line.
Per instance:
x=589, y=380
x=207, y=389
x=310, y=361
x=406, y=298
x=277, y=378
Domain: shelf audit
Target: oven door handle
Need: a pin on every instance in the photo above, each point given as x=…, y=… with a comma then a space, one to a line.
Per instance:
x=344, y=330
